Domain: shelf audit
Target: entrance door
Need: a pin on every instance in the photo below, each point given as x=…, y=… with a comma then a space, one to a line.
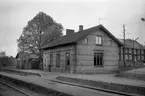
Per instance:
x=67, y=61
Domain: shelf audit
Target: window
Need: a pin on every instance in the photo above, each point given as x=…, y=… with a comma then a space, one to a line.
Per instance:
x=138, y=57
x=130, y=50
x=86, y=40
x=142, y=57
x=138, y=51
x=98, y=40
x=126, y=57
x=121, y=57
x=134, y=51
x=45, y=62
x=51, y=59
x=142, y=51
x=98, y=59
x=110, y=42
x=126, y=50
x=130, y=57
x=121, y=50
x=57, y=60
x=135, y=57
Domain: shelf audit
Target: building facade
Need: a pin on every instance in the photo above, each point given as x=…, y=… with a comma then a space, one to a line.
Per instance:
x=94, y=50
x=24, y=60
x=134, y=54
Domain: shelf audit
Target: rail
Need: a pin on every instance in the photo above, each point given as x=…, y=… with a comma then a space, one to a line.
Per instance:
x=20, y=91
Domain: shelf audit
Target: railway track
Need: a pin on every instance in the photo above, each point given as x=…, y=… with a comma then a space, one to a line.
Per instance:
x=14, y=88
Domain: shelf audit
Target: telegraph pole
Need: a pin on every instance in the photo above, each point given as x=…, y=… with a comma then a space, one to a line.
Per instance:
x=124, y=44
x=99, y=20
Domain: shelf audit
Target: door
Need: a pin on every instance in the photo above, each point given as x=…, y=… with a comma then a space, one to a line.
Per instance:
x=67, y=61
x=57, y=60
x=51, y=60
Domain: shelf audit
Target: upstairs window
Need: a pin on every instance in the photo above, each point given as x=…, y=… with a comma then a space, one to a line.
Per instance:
x=134, y=51
x=98, y=40
x=126, y=50
x=86, y=41
x=138, y=51
x=110, y=42
x=130, y=50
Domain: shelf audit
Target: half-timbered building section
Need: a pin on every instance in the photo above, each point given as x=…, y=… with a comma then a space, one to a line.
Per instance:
x=134, y=54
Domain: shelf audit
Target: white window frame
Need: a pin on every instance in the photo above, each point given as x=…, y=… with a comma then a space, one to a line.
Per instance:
x=98, y=40
x=130, y=57
x=86, y=41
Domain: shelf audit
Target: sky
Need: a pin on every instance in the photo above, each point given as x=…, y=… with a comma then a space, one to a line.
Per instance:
x=14, y=15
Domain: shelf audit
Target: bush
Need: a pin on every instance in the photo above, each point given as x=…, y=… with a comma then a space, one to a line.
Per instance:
x=7, y=61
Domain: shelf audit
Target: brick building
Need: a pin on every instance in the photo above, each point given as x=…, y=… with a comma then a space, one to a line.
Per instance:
x=93, y=50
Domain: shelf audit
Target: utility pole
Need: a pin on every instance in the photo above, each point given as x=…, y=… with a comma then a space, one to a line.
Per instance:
x=134, y=59
x=40, y=40
x=99, y=20
x=124, y=44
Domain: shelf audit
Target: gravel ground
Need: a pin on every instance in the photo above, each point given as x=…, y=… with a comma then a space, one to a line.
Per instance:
x=32, y=93
x=6, y=91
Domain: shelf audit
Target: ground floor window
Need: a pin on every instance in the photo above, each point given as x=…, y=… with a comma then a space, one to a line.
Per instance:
x=58, y=60
x=135, y=57
x=121, y=57
x=126, y=57
x=130, y=57
x=138, y=57
x=98, y=59
x=45, y=62
x=142, y=57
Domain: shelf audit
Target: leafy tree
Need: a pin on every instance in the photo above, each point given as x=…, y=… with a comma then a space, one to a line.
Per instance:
x=7, y=61
x=40, y=30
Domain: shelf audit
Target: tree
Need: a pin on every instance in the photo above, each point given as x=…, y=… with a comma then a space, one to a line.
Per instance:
x=40, y=30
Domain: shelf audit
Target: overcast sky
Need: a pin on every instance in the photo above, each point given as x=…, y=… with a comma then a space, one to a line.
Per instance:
x=14, y=15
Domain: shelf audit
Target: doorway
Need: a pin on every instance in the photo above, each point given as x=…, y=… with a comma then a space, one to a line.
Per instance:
x=67, y=61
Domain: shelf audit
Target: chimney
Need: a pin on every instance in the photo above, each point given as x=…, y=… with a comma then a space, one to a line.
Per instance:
x=69, y=31
x=80, y=27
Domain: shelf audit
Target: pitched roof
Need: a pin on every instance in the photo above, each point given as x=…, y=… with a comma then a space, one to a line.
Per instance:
x=23, y=54
x=129, y=43
x=72, y=39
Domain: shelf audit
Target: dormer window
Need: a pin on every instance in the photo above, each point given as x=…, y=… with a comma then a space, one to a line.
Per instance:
x=86, y=41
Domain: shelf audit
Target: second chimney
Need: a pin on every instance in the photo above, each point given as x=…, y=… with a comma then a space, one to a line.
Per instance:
x=80, y=27
x=69, y=31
